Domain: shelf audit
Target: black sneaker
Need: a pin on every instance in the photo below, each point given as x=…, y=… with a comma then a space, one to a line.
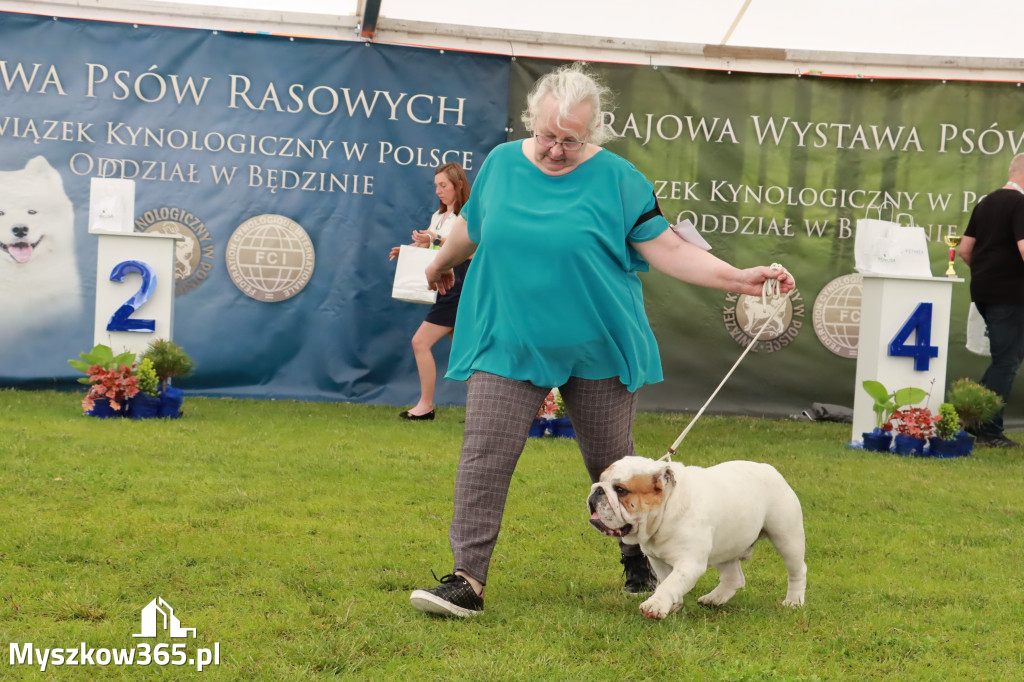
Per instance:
x=639, y=576
x=453, y=597
x=995, y=442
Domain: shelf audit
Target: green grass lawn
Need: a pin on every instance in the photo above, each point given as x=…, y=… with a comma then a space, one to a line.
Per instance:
x=290, y=535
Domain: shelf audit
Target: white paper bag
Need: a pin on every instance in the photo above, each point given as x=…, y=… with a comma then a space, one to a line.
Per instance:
x=410, y=282
x=885, y=247
x=977, y=332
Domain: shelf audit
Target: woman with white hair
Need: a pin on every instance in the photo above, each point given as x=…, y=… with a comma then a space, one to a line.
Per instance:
x=555, y=217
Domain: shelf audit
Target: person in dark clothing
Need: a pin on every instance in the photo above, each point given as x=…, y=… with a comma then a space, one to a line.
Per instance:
x=993, y=247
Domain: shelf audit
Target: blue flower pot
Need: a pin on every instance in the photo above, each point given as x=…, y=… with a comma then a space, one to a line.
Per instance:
x=539, y=427
x=908, y=445
x=877, y=440
x=144, y=406
x=170, y=402
x=937, y=447
x=562, y=428
x=101, y=408
x=966, y=442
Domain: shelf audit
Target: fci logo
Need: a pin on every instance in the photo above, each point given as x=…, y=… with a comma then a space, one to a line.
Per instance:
x=159, y=612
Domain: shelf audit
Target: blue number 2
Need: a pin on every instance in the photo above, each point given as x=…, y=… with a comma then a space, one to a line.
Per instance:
x=922, y=351
x=122, y=320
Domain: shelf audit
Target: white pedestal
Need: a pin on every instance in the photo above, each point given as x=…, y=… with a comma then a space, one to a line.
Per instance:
x=890, y=307
x=138, y=259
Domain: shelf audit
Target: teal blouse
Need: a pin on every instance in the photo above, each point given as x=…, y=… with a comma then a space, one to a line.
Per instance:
x=553, y=291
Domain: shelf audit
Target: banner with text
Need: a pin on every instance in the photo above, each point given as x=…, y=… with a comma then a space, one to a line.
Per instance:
x=779, y=169
x=289, y=166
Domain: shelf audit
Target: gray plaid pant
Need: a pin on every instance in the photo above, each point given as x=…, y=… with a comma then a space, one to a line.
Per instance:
x=499, y=412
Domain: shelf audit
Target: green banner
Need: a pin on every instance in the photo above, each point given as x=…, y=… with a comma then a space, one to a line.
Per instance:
x=774, y=168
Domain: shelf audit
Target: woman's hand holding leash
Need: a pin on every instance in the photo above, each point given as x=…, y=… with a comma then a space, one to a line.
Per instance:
x=762, y=280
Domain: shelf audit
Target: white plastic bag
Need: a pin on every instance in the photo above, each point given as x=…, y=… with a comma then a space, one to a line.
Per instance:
x=886, y=247
x=410, y=282
x=977, y=333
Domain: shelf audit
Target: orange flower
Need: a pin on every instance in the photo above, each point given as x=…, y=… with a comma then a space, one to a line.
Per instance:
x=549, y=408
x=116, y=385
x=918, y=422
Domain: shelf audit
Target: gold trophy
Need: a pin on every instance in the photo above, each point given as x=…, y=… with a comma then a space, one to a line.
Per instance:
x=952, y=241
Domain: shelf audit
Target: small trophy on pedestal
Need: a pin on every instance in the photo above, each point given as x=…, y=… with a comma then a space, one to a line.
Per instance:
x=952, y=241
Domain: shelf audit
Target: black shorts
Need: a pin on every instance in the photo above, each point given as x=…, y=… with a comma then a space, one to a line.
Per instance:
x=443, y=312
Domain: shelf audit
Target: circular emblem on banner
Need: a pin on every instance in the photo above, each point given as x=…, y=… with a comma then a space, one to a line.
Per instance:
x=193, y=254
x=744, y=316
x=836, y=315
x=270, y=257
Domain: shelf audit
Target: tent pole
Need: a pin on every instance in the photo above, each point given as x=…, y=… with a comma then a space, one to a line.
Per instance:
x=735, y=22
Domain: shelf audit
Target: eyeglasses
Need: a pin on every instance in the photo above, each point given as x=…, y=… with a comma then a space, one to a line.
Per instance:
x=567, y=145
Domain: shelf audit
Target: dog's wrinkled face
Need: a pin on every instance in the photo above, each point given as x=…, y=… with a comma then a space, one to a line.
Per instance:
x=629, y=490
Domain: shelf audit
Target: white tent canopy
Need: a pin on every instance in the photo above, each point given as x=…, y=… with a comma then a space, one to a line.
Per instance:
x=981, y=28
x=915, y=38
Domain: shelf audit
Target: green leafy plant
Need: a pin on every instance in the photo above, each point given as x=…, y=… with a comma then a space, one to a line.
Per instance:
x=887, y=403
x=100, y=356
x=149, y=383
x=973, y=402
x=108, y=376
x=169, y=360
x=948, y=424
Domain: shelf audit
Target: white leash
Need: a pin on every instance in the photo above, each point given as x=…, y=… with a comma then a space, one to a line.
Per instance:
x=770, y=290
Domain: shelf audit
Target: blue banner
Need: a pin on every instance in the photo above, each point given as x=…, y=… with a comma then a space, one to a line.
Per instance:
x=289, y=166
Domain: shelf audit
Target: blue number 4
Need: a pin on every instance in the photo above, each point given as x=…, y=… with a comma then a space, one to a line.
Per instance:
x=920, y=321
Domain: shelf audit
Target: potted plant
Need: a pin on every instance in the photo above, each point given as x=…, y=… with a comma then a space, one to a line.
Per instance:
x=542, y=423
x=561, y=426
x=111, y=380
x=886, y=403
x=169, y=360
x=913, y=427
x=146, y=403
x=975, y=404
x=944, y=443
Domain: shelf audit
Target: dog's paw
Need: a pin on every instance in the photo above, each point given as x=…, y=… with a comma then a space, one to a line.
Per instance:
x=717, y=596
x=793, y=602
x=655, y=608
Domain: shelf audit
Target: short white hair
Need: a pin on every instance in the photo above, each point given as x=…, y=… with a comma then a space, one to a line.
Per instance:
x=1017, y=165
x=570, y=86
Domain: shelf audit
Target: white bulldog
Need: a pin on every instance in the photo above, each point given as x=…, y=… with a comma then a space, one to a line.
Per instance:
x=686, y=518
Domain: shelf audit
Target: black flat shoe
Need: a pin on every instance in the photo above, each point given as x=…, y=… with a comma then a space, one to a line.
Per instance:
x=429, y=416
